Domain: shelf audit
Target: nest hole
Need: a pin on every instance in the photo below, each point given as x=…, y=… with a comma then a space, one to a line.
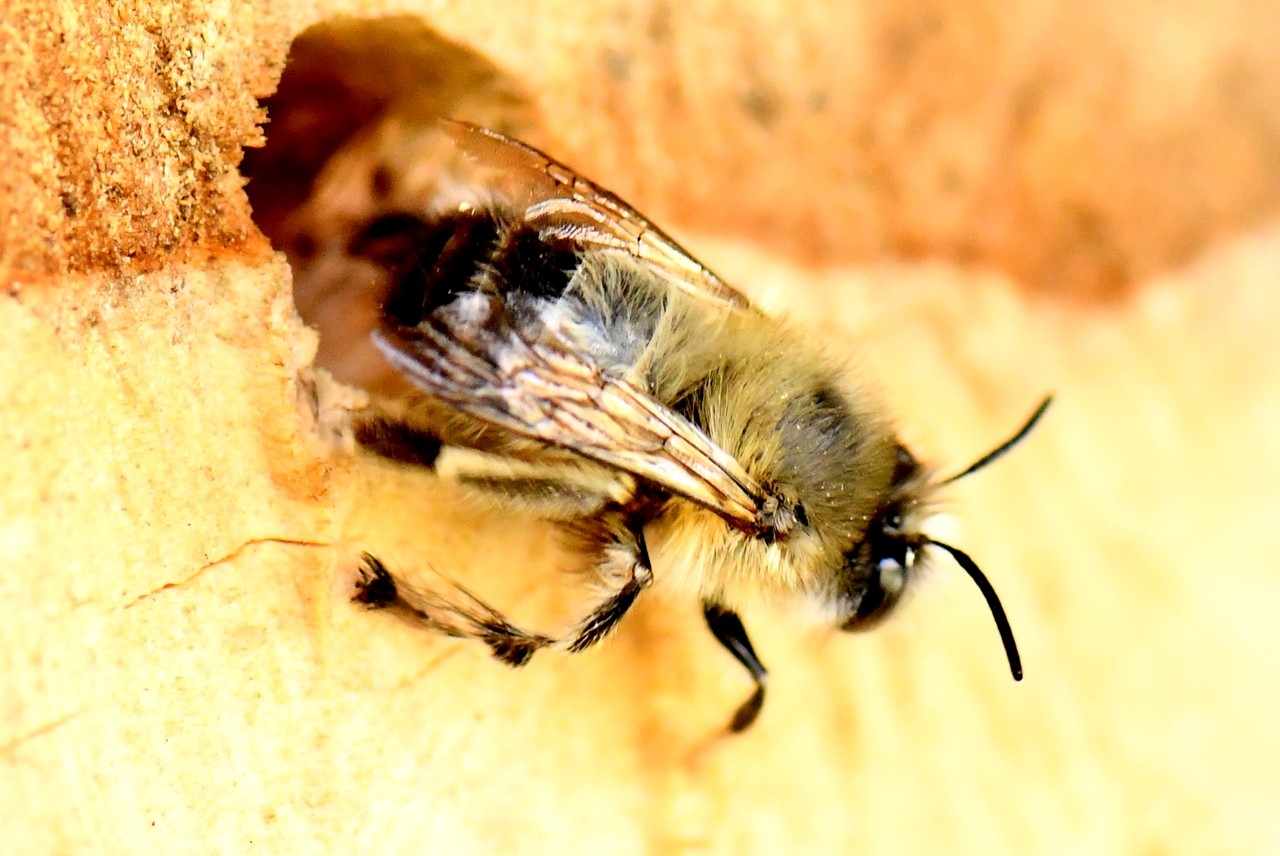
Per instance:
x=350, y=136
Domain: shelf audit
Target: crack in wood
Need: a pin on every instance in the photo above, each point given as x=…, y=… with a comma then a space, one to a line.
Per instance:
x=234, y=554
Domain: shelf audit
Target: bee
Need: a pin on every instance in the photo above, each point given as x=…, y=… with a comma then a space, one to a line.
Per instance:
x=559, y=352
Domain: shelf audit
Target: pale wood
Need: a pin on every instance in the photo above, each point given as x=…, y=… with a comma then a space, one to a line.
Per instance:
x=180, y=671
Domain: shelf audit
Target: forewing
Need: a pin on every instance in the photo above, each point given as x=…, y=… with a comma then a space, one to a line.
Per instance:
x=482, y=367
x=563, y=205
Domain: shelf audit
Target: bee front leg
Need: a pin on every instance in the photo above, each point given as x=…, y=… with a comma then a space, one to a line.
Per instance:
x=625, y=571
x=727, y=627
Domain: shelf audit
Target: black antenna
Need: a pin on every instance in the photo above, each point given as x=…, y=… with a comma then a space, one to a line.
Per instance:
x=989, y=592
x=1003, y=447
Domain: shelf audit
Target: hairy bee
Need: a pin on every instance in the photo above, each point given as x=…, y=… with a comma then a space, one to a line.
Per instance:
x=559, y=352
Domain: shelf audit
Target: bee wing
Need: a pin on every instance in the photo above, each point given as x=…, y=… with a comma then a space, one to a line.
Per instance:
x=563, y=398
x=563, y=205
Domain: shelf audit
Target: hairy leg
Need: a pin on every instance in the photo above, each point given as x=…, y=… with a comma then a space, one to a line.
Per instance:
x=623, y=570
x=462, y=615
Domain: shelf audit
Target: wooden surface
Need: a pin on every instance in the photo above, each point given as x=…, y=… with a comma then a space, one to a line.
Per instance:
x=985, y=205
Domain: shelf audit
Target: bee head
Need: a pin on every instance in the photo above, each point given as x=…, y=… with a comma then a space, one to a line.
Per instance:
x=878, y=569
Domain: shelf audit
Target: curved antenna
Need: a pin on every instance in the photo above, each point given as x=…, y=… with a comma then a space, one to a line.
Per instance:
x=993, y=600
x=1003, y=447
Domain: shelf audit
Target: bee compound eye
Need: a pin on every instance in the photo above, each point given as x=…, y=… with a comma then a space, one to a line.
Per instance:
x=872, y=605
x=883, y=589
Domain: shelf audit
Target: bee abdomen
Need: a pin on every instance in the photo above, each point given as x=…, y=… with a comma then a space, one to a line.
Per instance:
x=433, y=261
x=527, y=263
x=430, y=262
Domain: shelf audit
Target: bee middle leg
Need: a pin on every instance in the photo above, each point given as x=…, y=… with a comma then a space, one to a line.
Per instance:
x=626, y=571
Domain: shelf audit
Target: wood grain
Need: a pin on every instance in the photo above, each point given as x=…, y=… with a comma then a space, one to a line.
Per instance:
x=981, y=204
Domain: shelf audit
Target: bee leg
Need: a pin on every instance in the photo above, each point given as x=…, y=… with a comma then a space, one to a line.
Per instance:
x=552, y=489
x=397, y=441
x=626, y=570
x=727, y=627
x=466, y=617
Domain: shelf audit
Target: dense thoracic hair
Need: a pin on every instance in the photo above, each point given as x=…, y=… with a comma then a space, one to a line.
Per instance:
x=774, y=402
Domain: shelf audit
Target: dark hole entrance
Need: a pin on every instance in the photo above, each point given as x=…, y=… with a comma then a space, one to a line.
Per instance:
x=346, y=141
